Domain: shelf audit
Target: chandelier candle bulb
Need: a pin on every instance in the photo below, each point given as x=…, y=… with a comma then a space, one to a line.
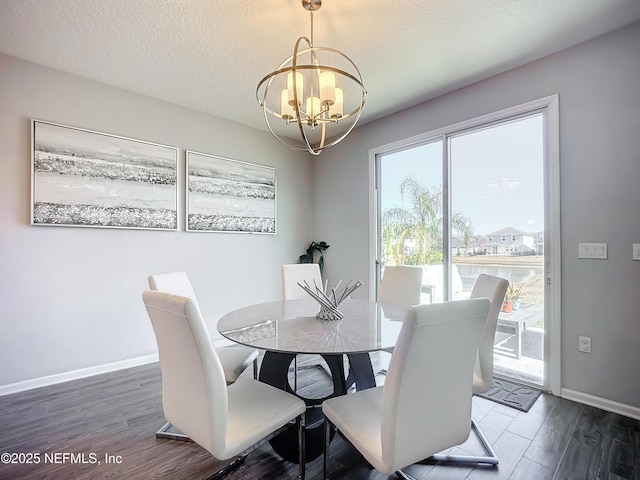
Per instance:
x=299, y=84
x=287, y=110
x=337, y=107
x=328, y=88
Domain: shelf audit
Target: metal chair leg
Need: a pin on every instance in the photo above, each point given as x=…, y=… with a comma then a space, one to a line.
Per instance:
x=490, y=458
x=166, y=434
x=227, y=469
x=327, y=441
x=404, y=476
x=301, y=447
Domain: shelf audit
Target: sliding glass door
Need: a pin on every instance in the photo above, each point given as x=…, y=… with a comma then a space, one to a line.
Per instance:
x=469, y=201
x=497, y=228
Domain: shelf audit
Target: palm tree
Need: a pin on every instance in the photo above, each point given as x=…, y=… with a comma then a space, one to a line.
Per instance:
x=462, y=226
x=393, y=225
x=421, y=223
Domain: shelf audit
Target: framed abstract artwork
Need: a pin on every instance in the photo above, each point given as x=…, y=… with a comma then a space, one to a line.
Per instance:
x=91, y=179
x=226, y=195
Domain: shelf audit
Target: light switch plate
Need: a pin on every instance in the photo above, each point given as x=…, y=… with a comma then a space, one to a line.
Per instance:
x=636, y=251
x=592, y=250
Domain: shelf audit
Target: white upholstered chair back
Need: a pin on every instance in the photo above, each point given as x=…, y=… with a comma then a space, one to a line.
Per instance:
x=493, y=288
x=426, y=400
x=194, y=390
x=434, y=277
x=401, y=285
x=177, y=283
x=234, y=358
x=299, y=272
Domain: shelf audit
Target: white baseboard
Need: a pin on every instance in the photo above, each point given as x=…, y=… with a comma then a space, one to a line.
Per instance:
x=87, y=372
x=76, y=374
x=602, y=403
x=584, y=398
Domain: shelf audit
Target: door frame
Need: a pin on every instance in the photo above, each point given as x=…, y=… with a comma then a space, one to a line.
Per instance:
x=549, y=107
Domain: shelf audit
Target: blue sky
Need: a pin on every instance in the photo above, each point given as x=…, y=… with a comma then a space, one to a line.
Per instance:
x=497, y=175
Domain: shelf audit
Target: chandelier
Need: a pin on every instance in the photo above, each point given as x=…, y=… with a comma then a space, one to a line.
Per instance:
x=317, y=89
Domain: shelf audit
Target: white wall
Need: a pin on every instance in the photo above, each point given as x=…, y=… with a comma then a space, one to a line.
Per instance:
x=71, y=297
x=599, y=87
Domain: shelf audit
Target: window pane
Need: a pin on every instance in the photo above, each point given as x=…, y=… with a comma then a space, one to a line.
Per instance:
x=411, y=204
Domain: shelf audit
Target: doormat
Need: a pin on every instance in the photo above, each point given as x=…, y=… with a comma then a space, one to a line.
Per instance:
x=511, y=394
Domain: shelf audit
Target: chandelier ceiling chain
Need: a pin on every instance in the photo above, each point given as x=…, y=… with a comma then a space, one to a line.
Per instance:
x=324, y=99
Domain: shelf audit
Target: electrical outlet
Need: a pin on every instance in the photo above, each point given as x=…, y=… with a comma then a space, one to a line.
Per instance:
x=584, y=344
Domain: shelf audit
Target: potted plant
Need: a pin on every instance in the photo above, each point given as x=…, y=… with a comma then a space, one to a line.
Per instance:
x=314, y=247
x=511, y=297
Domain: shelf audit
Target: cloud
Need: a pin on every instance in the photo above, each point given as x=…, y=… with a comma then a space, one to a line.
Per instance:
x=510, y=184
x=504, y=183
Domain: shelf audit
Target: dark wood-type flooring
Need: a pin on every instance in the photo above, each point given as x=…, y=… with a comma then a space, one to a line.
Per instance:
x=112, y=418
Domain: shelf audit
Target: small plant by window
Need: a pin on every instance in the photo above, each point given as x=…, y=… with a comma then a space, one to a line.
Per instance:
x=314, y=247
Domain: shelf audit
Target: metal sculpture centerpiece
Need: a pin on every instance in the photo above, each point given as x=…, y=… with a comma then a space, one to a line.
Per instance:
x=329, y=301
x=317, y=89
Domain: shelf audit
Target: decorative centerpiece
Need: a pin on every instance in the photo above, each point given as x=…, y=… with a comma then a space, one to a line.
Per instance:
x=329, y=302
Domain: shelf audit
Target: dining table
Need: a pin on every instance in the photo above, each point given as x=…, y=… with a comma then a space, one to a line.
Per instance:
x=287, y=328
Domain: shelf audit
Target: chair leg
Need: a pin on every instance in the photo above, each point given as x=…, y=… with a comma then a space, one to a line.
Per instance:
x=300, y=423
x=255, y=369
x=327, y=441
x=166, y=434
x=301, y=447
x=490, y=457
x=382, y=371
x=404, y=476
x=227, y=469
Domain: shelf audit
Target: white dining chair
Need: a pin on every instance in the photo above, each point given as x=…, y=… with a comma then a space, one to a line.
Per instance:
x=493, y=288
x=401, y=285
x=292, y=274
x=424, y=406
x=433, y=280
x=226, y=420
x=295, y=273
x=235, y=359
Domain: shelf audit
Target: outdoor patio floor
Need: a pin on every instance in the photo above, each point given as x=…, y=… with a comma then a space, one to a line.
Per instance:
x=530, y=366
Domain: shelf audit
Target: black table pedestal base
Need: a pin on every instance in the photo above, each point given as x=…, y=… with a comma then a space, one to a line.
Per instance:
x=275, y=371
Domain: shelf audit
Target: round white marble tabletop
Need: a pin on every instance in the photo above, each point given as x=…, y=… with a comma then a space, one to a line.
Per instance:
x=291, y=326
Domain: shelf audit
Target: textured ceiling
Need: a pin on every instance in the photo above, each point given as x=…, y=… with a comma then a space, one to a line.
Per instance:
x=210, y=54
